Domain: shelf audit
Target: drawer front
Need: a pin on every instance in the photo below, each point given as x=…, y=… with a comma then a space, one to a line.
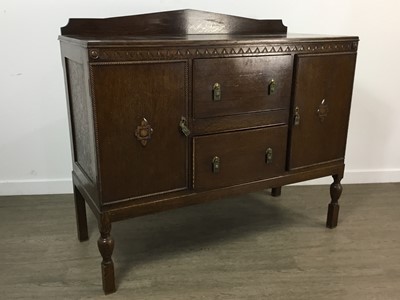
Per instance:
x=238, y=157
x=228, y=86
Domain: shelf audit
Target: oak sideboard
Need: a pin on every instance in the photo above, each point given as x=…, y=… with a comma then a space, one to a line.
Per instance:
x=177, y=108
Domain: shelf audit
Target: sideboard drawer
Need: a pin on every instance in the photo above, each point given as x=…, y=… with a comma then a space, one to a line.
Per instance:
x=228, y=86
x=238, y=157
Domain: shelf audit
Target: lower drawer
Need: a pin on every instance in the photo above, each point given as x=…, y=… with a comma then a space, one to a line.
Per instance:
x=227, y=159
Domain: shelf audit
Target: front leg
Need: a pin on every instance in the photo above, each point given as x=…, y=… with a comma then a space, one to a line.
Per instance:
x=106, y=247
x=333, y=208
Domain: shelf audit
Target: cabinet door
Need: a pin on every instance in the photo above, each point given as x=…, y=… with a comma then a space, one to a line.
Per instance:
x=139, y=107
x=321, y=107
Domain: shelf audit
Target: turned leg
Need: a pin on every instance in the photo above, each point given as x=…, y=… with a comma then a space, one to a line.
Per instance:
x=333, y=208
x=80, y=212
x=276, y=192
x=106, y=247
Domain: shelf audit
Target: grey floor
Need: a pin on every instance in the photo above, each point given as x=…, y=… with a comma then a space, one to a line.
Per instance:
x=249, y=247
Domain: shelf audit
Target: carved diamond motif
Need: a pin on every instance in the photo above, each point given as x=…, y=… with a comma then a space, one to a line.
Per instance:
x=143, y=132
x=323, y=110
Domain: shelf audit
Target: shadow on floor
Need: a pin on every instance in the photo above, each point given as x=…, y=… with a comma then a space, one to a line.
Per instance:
x=197, y=228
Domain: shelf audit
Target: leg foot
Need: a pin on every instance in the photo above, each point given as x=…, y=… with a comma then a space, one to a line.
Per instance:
x=106, y=247
x=80, y=212
x=333, y=208
x=276, y=192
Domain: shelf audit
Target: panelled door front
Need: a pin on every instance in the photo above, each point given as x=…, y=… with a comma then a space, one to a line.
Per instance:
x=139, y=108
x=320, y=113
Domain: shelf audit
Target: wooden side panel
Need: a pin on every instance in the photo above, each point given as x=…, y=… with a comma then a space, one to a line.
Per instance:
x=242, y=157
x=145, y=100
x=323, y=90
x=245, y=85
x=81, y=119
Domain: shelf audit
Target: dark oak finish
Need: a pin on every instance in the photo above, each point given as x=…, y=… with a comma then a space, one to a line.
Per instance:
x=177, y=108
x=106, y=248
x=244, y=85
x=80, y=212
x=323, y=88
x=333, y=208
x=173, y=23
x=124, y=95
x=276, y=192
x=242, y=121
x=242, y=157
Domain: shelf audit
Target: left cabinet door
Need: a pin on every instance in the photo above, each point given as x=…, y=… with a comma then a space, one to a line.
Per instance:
x=138, y=109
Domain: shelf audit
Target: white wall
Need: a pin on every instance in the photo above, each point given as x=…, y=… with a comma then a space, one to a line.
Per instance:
x=34, y=141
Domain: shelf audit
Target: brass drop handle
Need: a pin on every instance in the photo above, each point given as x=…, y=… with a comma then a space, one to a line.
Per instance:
x=216, y=92
x=296, y=116
x=183, y=125
x=216, y=164
x=271, y=87
x=268, y=156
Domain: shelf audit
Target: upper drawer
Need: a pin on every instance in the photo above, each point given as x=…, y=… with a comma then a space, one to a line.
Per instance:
x=244, y=85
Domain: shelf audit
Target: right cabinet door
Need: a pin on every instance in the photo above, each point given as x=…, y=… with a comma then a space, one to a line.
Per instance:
x=321, y=107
